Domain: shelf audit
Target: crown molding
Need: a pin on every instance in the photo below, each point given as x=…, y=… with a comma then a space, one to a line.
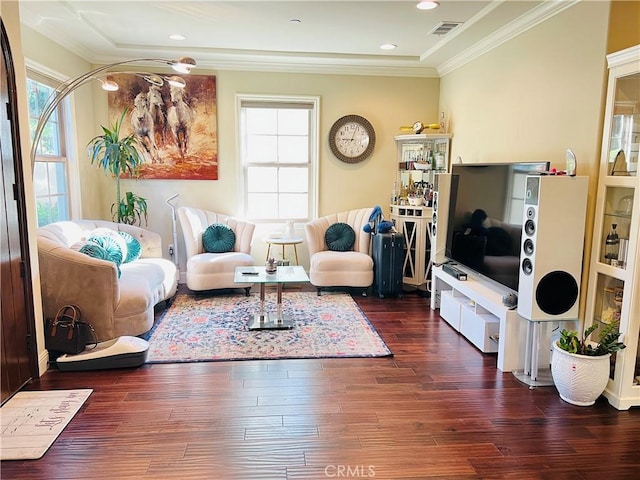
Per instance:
x=624, y=56
x=290, y=63
x=527, y=21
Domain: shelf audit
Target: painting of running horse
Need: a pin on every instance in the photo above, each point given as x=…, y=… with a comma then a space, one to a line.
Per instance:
x=175, y=126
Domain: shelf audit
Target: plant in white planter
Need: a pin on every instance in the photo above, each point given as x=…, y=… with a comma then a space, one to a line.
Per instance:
x=580, y=368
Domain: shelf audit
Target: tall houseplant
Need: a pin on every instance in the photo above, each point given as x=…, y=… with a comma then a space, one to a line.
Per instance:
x=580, y=368
x=119, y=156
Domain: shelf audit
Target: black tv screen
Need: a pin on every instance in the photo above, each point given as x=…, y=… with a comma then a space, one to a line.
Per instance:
x=485, y=218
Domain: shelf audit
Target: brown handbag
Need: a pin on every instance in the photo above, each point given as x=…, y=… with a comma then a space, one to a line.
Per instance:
x=68, y=333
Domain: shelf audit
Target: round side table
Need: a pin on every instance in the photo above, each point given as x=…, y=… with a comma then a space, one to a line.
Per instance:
x=293, y=241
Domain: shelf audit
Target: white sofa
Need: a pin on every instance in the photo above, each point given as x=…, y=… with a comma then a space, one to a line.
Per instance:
x=114, y=306
x=210, y=271
x=329, y=268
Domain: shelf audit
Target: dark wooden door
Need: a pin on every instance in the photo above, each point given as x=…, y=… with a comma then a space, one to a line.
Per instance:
x=18, y=353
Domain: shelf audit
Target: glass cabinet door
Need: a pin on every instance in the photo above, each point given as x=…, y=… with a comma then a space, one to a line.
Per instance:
x=625, y=127
x=616, y=225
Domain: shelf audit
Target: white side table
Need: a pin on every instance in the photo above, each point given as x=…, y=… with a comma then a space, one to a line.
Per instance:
x=293, y=241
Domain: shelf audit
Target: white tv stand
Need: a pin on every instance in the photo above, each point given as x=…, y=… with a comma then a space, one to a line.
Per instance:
x=474, y=308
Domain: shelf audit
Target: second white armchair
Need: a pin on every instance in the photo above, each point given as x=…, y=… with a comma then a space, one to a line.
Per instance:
x=207, y=270
x=352, y=267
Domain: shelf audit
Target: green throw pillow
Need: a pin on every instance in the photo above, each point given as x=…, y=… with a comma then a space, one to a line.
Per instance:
x=218, y=238
x=134, y=249
x=340, y=237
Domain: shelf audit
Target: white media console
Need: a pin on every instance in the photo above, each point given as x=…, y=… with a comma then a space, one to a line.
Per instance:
x=474, y=308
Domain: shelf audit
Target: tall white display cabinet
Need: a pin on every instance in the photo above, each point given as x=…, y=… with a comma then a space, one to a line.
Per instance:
x=614, y=279
x=419, y=157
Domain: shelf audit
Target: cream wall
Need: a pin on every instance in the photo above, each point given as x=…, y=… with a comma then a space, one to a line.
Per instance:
x=92, y=188
x=535, y=96
x=387, y=102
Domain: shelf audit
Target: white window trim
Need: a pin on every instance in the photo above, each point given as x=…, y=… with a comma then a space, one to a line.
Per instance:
x=314, y=147
x=73, y=164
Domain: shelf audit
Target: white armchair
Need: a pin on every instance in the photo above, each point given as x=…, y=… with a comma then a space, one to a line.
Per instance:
x=209, y=271
x=329, y=268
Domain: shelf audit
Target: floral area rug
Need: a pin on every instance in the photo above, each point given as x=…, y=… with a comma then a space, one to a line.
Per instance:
x=197, y=328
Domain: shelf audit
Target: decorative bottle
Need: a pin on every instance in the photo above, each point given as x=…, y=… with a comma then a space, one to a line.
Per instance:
x=429, y=160
x=612, y=243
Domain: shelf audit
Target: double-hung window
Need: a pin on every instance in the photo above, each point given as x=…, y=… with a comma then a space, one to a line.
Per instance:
x=279, y=150
x=51, y=168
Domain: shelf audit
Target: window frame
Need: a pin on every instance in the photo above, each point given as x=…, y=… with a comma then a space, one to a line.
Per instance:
x=66, y=136
x=279, y=101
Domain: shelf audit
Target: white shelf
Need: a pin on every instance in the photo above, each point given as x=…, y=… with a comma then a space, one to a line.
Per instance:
x=475, y=307
x=414, y=222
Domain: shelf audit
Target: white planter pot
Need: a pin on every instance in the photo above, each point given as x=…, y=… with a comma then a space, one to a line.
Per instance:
x=580, y=379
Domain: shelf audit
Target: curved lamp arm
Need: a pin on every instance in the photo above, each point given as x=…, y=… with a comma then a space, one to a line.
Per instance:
x=182, y=65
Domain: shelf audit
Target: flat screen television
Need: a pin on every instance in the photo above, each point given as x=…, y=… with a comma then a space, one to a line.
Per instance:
x=485, y=218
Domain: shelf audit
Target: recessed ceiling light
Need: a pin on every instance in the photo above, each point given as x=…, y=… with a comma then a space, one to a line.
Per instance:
x=388, y=46
x=177, y=36
x=428, y=5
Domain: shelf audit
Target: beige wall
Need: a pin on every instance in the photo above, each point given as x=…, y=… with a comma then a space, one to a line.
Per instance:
x=535, y=96
x=51, y=59
x=387, y=102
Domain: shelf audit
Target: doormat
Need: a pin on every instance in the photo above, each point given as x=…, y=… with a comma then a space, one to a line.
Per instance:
x=200, y=328
x=31, y=421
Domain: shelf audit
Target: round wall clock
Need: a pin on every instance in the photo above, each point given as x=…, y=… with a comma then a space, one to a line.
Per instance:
x=352, y=138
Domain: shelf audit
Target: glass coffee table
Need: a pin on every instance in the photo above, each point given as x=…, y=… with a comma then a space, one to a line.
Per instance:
x=270, y=320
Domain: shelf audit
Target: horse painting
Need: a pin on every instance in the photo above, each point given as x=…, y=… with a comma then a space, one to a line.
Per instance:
x=180, y=117
x=142, y=124
x=158, y=113
x=175, y=128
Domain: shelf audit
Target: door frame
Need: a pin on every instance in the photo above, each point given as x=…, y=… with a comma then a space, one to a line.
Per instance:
x=19, y=196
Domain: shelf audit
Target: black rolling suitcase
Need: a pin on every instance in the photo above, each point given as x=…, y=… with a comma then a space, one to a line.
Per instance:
x=388, y=259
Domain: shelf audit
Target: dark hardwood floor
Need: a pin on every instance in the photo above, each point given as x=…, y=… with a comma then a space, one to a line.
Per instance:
x=438, y=409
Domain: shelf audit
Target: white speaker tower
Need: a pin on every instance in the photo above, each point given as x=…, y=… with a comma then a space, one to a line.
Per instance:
x=552, y=247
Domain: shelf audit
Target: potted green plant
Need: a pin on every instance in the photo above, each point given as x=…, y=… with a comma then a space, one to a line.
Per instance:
x=580, y=368
x=131, y=210
x=119, y=156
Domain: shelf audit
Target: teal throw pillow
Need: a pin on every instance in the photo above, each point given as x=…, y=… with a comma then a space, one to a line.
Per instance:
x=111, y=246
x=218, y=238
x=340, y=237
x=134, y=249
x=96, y=250
x=108, y=232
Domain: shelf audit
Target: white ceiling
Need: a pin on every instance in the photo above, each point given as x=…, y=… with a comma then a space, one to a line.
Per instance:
x=331, y=36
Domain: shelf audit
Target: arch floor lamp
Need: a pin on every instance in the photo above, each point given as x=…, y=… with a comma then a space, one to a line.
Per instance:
x=182, y=65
